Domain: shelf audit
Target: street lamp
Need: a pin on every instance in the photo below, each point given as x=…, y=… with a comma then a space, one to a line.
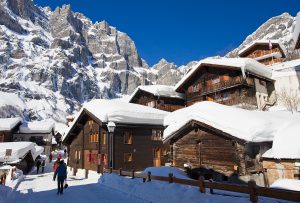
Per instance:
x=111, y=128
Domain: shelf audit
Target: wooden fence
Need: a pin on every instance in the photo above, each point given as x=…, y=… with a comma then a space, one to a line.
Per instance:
x=252, y=189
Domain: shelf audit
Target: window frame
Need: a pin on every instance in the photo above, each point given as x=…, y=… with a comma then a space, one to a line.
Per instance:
x=130, y=138
x=130, y=156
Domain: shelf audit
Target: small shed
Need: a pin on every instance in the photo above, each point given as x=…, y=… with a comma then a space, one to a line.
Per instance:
x=282, y=161
x=19, y=154
x=7, y=127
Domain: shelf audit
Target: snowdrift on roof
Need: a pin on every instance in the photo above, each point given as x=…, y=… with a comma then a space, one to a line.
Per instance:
x=286, y=141
x=251, y=126
x=45, y=126
x=19, y=150
x=159, y=91
x=7, y=124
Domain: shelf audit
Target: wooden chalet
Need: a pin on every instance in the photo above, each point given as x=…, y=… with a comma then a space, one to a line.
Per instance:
x=219, y=142
x=229, y=81
x=136, y=142
x=296, y=34
x=261, y=52
x=39, y=132
x=161, y=97
x=282, y=161
x=7, y=127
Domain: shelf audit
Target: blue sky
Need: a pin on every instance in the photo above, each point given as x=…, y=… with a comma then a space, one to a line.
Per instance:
x=181, y=31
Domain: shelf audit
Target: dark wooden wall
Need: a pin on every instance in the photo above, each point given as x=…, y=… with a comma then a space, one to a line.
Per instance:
x=141, y=148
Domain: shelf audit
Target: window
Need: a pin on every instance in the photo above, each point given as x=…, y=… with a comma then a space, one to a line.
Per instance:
x=127, y=157
x=215, y=81
x=94, y=137
x=195, y=88
x=103, y=138
x=156, y=135
x=90, y=123
x=127, y=137
x=1, y=137
x=77, y=154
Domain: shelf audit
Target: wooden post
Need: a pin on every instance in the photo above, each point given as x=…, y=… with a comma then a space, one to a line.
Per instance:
x=86, y=173
x=252, y=191
x=201, y=184
x=120, y=171
x=132, y=174
x=149, y=176
x=110, y=169
x=170, y=177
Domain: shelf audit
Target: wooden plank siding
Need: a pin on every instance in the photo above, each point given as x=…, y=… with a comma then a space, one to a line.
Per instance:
x=85, y=150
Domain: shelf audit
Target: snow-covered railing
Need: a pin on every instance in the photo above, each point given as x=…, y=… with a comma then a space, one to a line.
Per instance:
x=252, y=189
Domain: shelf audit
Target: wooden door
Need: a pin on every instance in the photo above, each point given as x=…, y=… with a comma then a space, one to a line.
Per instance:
x=156, y=157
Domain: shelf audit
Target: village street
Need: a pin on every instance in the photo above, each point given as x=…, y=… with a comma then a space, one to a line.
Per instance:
x=42, y=188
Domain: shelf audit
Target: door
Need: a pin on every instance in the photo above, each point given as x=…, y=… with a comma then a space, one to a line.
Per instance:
x=156, y=157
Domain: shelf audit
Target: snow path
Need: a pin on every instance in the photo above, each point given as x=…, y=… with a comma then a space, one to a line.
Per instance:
x=41, y=188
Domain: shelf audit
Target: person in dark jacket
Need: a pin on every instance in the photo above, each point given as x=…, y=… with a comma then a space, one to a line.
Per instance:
x=43, y=165
x=50, y=158
x=61, y=173
x=38, y=164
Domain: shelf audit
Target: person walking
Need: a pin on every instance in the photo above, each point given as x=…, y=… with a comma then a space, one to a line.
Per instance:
x=61, y=173
x=50, y=158
x=43, y=165
x=38, y=164
x=65, y=153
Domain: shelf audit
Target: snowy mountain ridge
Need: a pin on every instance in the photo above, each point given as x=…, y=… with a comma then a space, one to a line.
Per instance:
x=56, y=60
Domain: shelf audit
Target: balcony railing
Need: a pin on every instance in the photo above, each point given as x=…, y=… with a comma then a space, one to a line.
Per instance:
x=208, y=89
x=169, y=107
x=260, y=53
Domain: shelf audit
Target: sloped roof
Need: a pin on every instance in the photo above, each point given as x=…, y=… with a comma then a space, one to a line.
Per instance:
x=244, y=64
x=7, y=124
x=45, y=126
x=250, y=126
x=286, y=141
x=120, y=112
x=264, y=42
x=158, y=90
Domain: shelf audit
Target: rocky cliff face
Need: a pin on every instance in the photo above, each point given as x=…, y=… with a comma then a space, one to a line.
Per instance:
x=278, y=28
x=57, y=60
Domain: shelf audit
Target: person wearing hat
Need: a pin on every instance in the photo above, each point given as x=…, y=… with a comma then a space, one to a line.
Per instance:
x=61, y=173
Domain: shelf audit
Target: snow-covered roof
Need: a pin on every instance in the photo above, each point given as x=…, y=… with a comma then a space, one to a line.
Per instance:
x=263, y=41
x=7, y=124
x=121, y=112
x=251, y=126
x=19, y=150
x=44, y=126
x=286, y=141
x=287, y=184
x=158, y=90
x=245, y=64
x=296, y=33
x=53, y=141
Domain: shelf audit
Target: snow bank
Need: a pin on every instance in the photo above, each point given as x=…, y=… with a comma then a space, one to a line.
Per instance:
x=286, y=142
x=19, y=150
x=165, y=170
x=45, y=126
x=287, y=184
x=245, y=64
x=252, y=126
x=164, y=192
x=159, y=91
x=7, y=124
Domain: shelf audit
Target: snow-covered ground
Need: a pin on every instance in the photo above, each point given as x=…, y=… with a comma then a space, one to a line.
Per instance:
x=41, y=188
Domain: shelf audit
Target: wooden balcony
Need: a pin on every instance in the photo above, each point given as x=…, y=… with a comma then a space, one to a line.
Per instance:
x=259, y=53
x=169, y=107
x=208, y=89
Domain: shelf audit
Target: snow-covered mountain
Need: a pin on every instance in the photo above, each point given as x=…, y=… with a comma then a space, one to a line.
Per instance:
x=56, y=60
x=277, y=28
